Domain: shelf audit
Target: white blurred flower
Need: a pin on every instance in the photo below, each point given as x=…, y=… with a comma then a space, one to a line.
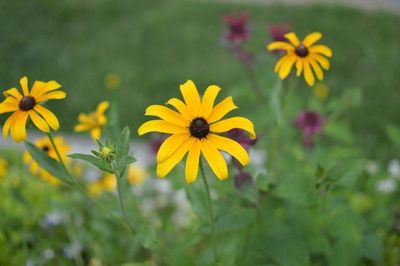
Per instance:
x=394, y=168
x=47, y=254
x=163, y=186
x=386, y=186
x=72, y=250
x=52, y=219
x=372, y=167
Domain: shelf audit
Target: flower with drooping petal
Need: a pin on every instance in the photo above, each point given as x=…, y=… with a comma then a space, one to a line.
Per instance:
x=195, y=125
x=93, y=121
x=28, y=104
x=308, y=57
x=310, y=122
x=45, y=145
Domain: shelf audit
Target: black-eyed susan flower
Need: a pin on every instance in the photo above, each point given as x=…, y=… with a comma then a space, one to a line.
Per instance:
x=195, y=125
x=45, y=145
x=3, y=168
x=93, y=121
x=306, y=56
x=28, y=104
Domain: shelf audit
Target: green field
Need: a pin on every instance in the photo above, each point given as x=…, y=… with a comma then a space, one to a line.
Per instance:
x=156, y=45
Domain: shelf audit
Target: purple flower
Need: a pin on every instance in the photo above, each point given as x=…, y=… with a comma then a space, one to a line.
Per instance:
x=241, y=136
x=238, y=29
x=243, y=180
x=155, y=143
x=310, y=122
x=278, y=31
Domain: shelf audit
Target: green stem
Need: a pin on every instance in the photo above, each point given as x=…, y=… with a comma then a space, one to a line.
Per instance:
x=121, y=202
x=75, y=182
x=210, y=210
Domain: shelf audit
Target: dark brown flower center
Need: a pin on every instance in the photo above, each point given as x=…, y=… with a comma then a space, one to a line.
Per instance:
x=301, y=51
x=46, y=148
x=199, y=128
x=27, y=103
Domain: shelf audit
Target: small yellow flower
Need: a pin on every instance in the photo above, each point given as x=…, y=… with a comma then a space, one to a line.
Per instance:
x=45, y=145
x=321, y=91
x=107, y=182
x=305, y=55
x=136, y=175
x=195, y=127
x=3, y=168
x=28, y=105
x=93, y=121
x=112, y=81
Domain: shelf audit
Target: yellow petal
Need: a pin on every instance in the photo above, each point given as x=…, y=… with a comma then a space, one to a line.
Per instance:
x=170, y=145
x=215, y=159
x=95, y=133
x=52, y=95
x=192, y=97
x=299, y=67
x=221, y=109
x=317, y=69
x=39, y=122
x=82, y=127
x=8, y=107
x=24, y=85
x=86, y=119
x=278, y=64
x=208, y=100
x=321, y=49
x=50, y=118
x=312, y=38
x=18, y=129
x=308, y=75
x=161, y=126
x=102, y=107
x=165, y=167
x=167, y=114
x=181, y=108
x=321, y=60
x=292, y=37
x=37, y=85
x=10, y=122
x=280, y=46
x=13, y=92
x=287, y=66
x=192, y=162
x=234, y=122
x=230, y=146
x=43, y=88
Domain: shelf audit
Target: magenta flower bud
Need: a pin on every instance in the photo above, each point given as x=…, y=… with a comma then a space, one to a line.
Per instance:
x=310, y=123
x=238, y=29
x=278, y=31
x=243, y=180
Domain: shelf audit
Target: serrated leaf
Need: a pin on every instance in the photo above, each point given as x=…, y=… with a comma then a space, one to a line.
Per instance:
x=102, y=165
x=52, y=166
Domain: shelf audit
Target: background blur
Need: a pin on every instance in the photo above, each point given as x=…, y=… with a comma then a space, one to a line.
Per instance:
x=150, y=47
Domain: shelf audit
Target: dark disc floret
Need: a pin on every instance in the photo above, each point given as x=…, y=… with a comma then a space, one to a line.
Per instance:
x=301, y=50
x=199, y=128
x=27, y=103
x=45, y=148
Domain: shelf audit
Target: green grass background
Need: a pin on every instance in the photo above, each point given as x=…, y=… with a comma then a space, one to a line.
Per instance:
x=156, y=45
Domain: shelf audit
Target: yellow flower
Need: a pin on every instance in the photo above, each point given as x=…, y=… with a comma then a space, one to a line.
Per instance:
x=28, y=105
x=307, y=57
x=107, y=182
x=45, y=145
x=193, y=126
x=3, y=168
x=136, y=175
x=112, y=81
x=93, y=121
x=321, y=91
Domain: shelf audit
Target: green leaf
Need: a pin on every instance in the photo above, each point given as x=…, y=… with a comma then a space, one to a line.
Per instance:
x=339, y=132
x=394, y=134
x=123, y=143
x=52, y=166
x=102, y=165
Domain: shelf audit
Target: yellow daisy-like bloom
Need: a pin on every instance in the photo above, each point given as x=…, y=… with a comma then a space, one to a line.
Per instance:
x=93, y=121
x=136, y=175
x=45, y=145
x=28, y=105
x=194, y=127
x=3, y=168
x=107, y=182
x=308, y=57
